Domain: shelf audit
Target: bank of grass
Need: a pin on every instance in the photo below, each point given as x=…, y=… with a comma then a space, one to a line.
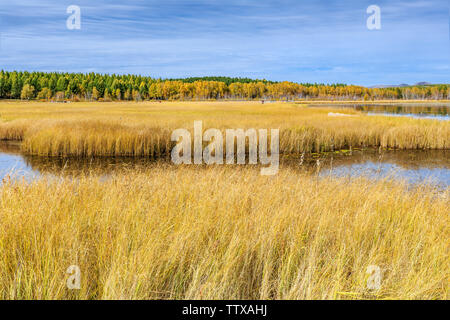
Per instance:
x=143, y=129
x=222, y=233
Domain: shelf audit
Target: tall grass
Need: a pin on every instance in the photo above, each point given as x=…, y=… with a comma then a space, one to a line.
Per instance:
x=95, y=138
x=133, y=129
x=221, y=233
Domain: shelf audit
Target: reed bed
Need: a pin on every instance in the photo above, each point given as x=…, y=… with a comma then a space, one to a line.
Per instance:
x=98, y=139
x=143, y=129
x=221, y=233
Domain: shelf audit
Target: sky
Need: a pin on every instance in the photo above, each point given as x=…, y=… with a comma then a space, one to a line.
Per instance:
x=293, y=40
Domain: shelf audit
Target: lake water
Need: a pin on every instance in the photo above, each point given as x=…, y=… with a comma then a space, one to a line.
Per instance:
x=415, y=167
x=435, y=111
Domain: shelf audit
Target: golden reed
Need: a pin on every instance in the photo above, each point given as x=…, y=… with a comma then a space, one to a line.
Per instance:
x=221, y=233
x=143, y=129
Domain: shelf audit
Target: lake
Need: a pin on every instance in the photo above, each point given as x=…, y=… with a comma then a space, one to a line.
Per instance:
x=414, y=167
x=420, y=111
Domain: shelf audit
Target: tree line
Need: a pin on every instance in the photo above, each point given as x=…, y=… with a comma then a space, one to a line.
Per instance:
x=106, y=87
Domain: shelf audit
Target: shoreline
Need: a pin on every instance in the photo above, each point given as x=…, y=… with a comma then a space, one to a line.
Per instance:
x=259, y=101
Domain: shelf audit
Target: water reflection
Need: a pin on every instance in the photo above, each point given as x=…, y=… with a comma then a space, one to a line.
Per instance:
x=415, y=167
x=435, y=111
x=13, y=164
x=431, y=166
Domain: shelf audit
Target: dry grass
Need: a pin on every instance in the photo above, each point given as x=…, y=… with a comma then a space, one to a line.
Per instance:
x=221, y=233
x=143, y=129
x=216, y=233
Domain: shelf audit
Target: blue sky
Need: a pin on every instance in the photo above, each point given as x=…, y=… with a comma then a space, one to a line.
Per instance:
x=301, y=41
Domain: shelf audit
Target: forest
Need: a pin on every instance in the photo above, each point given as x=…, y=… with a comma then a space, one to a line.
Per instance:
x=57, y=86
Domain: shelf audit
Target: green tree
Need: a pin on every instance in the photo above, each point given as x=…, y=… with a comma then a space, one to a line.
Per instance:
x=61, y=84
x=15, y=88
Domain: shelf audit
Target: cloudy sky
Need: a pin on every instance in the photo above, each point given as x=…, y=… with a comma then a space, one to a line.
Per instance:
x=295, y=40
